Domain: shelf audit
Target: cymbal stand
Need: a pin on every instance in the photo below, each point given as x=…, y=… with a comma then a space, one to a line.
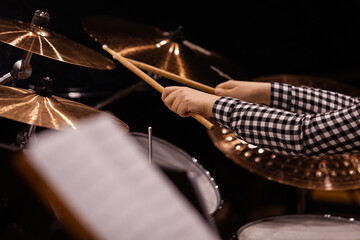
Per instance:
x=45, y=90
x=301, y=204
x=119, y=94
x=24, y=136
x=124, y=92
x=22, y=68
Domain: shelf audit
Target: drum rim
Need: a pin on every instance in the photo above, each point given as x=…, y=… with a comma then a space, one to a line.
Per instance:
x=193, y=162
x=291, y=216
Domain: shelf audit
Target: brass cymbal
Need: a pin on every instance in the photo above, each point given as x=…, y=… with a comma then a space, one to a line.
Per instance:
x=168, y=51
x=41, y=41
x=333, y=172
x=28, y=107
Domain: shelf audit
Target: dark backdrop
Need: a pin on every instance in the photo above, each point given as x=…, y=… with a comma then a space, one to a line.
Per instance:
x=317, y=38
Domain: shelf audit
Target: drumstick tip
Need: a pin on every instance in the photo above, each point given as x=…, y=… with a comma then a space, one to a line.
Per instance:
x=104, y=46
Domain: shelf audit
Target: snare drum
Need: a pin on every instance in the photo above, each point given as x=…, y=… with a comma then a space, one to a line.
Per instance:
x=301, y=227
x=167, y=155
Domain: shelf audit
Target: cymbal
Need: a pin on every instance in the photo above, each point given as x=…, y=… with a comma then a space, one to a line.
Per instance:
x=168, y=51
x=43, y=42
x=54, y=112
x=332, y=172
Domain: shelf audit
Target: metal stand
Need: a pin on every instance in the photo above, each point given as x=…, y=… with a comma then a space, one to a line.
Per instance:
x=119, y=94
x=22, y=68
x=301, y=194
x=150, y=144
x=123, y=93
x=23, y=136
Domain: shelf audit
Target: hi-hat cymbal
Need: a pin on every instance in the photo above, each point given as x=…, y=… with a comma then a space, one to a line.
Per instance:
x=41, y=41
x=28, y=107
x=333, y=172
x=168, y=51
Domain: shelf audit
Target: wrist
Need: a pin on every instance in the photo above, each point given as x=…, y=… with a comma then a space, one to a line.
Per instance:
x=263, y=93
x=210, y=105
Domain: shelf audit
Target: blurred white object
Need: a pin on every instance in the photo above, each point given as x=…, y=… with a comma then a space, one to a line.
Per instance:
x=105, y=181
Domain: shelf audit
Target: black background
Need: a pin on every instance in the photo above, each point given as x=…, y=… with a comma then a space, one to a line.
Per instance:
x=316, y=38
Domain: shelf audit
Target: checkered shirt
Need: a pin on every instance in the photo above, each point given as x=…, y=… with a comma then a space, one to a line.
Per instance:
x=300, y=121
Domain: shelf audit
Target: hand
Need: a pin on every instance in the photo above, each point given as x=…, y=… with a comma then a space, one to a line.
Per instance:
x=255, y=92
x=184, y=100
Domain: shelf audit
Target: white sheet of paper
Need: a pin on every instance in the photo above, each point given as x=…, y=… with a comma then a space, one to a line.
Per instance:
x=107, y=183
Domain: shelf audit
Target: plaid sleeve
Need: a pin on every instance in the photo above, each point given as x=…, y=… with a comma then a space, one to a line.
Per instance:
x=307, y=100
x=288, y=133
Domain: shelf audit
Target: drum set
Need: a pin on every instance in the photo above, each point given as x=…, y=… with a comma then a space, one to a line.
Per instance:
x=148, y=51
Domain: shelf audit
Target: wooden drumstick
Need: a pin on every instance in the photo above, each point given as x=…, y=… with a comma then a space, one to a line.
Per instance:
x=152, y=82
x=173, y=77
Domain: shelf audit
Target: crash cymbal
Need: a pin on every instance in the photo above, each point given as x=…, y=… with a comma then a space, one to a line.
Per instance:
x=333, y=172
x=168, y=51
x=42, y=41
x=29, y=107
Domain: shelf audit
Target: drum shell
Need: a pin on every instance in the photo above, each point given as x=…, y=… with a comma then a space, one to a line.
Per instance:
x=166, y=155
x=299, y=227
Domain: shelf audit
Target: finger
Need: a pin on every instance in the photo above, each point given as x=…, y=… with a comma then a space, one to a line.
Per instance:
x=173, y=101
x=168, y=97
x=167, y=91
x=180, y=105
x=180, y=108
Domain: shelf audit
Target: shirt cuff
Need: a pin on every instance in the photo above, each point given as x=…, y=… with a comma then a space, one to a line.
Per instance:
x=223, y=109
x=280, y=95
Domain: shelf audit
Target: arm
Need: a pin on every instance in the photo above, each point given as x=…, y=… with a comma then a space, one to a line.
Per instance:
x=255, y=92
x=307, y=100
x=285, y=96
x=288, y=133
x=276, y=130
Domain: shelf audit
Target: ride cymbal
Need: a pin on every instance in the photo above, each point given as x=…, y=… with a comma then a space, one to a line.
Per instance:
x=28, y=107
x=168, y=51
x=333, y=172
x=43, y=42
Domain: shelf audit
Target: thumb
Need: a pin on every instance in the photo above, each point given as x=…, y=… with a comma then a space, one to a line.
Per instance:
x=220, y=91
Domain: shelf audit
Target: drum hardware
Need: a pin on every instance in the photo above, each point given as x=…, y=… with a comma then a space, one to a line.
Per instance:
x=10, y=147
x=22, y=68
x=301, y=203
x=150, y=144
x=119, y=94
x=24, y=136
x=123, y=92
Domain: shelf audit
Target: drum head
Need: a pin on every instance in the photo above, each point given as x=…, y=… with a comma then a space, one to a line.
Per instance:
x=167, y=155
x=301, y=227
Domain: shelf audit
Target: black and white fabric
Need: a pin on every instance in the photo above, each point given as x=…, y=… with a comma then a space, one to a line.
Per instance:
x=300, y=121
